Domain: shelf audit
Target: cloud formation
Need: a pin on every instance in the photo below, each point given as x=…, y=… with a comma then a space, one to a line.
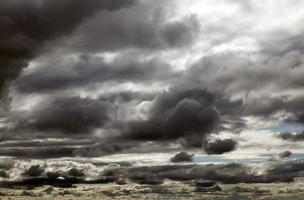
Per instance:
x=220, y=146
x=87, y=70
x=292, y=136
x=27, y=26
x=143, y=26
x=188, y=114
x=68, y=115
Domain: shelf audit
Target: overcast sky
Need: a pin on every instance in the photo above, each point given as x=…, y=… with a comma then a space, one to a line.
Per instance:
x=110, y=75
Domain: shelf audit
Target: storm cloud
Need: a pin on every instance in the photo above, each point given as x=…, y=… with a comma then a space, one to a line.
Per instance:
x=68, y=115
x=86, y=70
x=27, y=26
x=220, y=146
x=188, y=114
x=237, y=76
x=144, y=26
x=292, y=136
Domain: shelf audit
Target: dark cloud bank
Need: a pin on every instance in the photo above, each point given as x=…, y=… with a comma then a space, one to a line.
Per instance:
x=292, y=136
x=70, y=116
x=101, y=26
x=187, y=116
x=27, y=26
x=88, y=70
x=178, y=114
x=279, y=171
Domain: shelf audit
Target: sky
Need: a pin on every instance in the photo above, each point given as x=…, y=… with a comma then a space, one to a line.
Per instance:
x=92, y=78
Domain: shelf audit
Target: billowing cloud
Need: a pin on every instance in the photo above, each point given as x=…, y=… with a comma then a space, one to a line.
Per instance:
x=220, y=146
x=145, y=26
x=74, y=148
x=68, y=115
x=284, y=171
x=127, y=96
x=292, y=136
x=285, y=154
x=27, y=26
x=296, y=118
x=87, y=70
x=188, y=114
x=240, y=78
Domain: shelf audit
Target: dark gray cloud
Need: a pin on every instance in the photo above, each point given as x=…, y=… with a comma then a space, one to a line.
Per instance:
x=36, y=20
x=68, y=115
x=145, y=26
x=184, y=115
x=237, y=76
x=235, y=72
x=78, y=148
x=220, y=146
x=182, y=157
x=71, y=147
x=285, y=154
x=231, y=114
x=38, y=153
x=127, y=96
x=26, y=26
x=7, y=163
x=45, y=143
x=284, y=45
x=232, y=173
x=225, y=173
x=286, y=169
x=104, y=147
x=86, y=70
x=292, y=136
x=296, y=118
x=228, y=107
x=188, y=114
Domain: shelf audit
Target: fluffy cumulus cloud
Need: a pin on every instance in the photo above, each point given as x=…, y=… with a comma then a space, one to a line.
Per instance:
x=127, y=72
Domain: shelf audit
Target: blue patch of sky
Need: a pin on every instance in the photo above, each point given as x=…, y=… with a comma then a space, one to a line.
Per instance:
x=285, y=127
